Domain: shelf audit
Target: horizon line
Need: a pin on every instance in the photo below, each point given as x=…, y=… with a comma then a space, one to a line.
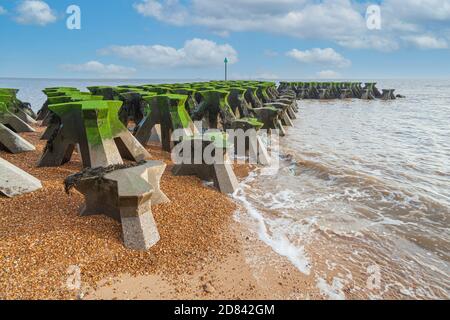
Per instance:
x=212, y=79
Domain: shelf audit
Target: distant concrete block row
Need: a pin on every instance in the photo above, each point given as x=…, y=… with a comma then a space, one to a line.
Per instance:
x=338, y=90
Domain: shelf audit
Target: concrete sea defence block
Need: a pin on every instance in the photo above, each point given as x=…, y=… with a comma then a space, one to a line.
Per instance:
x=168, y=112
x=21, y=109
x=124, y=193
x=13, y=122
x=388, y=94
x=15, y=181
x=96, y=128
x=12, y=142
x=218, y=171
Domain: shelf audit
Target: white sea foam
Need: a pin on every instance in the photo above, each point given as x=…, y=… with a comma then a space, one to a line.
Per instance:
x=278, y=241
x=333, y=291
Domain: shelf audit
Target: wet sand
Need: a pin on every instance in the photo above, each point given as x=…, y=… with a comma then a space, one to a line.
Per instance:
x=203, y=253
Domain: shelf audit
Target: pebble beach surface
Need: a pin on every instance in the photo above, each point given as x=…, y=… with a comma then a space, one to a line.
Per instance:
x=42, y=234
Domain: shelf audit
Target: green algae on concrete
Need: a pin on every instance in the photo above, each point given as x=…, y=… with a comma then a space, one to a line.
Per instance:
x=9, y=139
x=20, y=109
x=10, y=120
x=169, y=112
x=219, y=170
x=96, y=128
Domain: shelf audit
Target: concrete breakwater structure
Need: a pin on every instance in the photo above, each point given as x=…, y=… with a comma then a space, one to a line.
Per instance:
x=110, y=127
x=15, y=117
x=339, y=90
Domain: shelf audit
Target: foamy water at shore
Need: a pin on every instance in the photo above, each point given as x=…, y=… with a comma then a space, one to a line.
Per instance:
x=361, y=199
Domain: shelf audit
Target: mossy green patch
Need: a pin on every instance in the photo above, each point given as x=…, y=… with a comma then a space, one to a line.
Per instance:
x=100, y=117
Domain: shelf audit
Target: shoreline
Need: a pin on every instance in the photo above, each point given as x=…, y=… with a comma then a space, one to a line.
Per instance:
x=251, y=271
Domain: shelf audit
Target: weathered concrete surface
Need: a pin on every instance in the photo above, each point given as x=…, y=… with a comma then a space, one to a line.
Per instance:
x=291, y=113
x=220, y=172
x=126, y=195
x=247, y=143
x=15, y=123
x=12, y=142
x=367, y=95
x=151, y=172
x=95, y=127
x=22, y=115
x=169, y=112
x=156, y=134
x=15, y=181
x=388, y=94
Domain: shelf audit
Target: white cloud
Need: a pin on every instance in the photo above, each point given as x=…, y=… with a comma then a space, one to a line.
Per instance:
x=320, y=56
x=427, y=42
x=300, y=18
x=340, y=21
x=99, y=68
x=34, y=12
x=195, y=53
x=328, y=74
x=418, y=10
x=2, y=10
x=385, y=43
x=170, y=11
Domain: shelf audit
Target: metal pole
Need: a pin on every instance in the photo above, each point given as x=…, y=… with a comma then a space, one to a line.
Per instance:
x=226, y=69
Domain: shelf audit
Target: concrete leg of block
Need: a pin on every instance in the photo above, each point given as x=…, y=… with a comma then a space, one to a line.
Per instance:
x=156, y=134
x=46, y=121
x=25, y=117
x=291, y=113
x=12, y=142
x=57, y=154
x=258, y=151
x=224, y=178
x=286, y=120
x=102, y=155
x=15, y=182
x=43, y=112
x=130, y=148
x=126, y=196
x=154, y=173
x=16, y=124
x=281, y=130
x=100, y=199
x=138, y=225
x=221, y=174
x=50, y=131
x=263, y=154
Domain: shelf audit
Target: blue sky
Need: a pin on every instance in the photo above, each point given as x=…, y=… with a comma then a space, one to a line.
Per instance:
x=279, y=39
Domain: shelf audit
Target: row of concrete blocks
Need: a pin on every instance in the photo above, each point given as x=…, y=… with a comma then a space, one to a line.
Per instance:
x=340, y=91
x=328, y=94
x=15, y=119
x=130, y=202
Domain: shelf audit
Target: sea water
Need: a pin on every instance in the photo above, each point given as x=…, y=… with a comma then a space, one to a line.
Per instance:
x=361, y=199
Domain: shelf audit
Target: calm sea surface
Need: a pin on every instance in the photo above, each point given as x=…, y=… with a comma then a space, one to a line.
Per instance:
x=361, y=200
